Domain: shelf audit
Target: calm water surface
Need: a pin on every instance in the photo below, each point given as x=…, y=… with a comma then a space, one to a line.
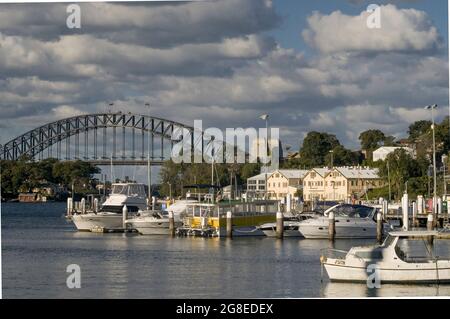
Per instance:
x=38, y=243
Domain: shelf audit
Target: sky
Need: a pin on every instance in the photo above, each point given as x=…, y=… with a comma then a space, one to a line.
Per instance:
x=310, y=65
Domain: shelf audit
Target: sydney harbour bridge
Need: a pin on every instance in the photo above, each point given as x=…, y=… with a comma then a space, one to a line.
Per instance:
x=101, y=139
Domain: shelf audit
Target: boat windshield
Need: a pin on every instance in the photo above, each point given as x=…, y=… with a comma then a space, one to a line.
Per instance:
x=129, y=190
x=353, y=211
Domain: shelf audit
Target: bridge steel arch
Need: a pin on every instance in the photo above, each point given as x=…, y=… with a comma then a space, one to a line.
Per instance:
x=34, y=142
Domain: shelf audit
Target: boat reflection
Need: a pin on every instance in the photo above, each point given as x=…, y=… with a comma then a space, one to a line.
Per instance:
x=355, y=290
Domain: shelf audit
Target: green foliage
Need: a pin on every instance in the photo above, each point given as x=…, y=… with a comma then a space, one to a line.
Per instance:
x=343, y=157
x=418, y=128
x=371, y=139
x=23, y=175
x=399, y=168
x=316, y=146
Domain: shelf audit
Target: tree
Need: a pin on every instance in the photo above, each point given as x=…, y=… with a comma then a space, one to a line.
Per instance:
x=316, y=146
x=418, y=128
x=343, y=157
x=249, y=169
x=371, y=139
x=402, y=168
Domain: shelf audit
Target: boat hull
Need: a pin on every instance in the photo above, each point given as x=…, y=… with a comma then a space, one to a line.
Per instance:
x=87, y=222
x=412, y=273
x=318, y=229
x=152, y=227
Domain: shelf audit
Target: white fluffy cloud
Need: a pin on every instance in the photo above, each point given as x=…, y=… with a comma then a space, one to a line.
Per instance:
x=214, y=61
x=405, y=30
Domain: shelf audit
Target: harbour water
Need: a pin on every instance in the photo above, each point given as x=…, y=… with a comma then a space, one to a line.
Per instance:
x=38, y=243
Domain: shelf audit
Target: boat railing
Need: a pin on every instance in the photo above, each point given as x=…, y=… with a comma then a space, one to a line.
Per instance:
x=338, y=254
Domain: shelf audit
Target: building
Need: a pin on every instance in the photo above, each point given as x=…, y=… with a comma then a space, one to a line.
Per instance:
x=381, y=153
x=346, y=183
x=285, y=181
x=314, y=184
x=256, y=185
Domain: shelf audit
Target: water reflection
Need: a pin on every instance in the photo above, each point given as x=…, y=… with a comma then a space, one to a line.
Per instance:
x=38, y=244
x=354, y=290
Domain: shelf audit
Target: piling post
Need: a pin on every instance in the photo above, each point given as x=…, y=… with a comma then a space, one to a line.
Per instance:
x=288, y=203
x=124, y=216
x=331, y=227
x=414, y=214
x=153, y=202
x=379, y=227
x=405, y=211
x=229, y=233
x=95, y=205
x=420, y=205
x=171, y=224
x=83, y=206
x=385, y=209
x=280, y=225
x=430, y=226
x=69, y=206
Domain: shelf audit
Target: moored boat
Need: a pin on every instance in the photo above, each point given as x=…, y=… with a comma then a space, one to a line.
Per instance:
x=152, y=223
x=208, y=219
x=391, y=263
x=351, y=222
x=109, y=217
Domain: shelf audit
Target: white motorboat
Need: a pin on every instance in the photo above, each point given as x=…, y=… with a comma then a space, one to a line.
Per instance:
x=390, y=260
x=109, y=217
x=290, y=226
x=290, y=229
x=351, y=221
x=152, y=223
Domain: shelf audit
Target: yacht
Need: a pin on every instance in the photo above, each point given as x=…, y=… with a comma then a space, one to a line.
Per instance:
x=351, y=221
x=153, y=223
x=109, y=217
x=394, y=261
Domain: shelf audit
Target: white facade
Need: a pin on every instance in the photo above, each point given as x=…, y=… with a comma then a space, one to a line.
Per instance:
x=381, y=153
x=339, y=183
x=285, y=181
x=256, y=185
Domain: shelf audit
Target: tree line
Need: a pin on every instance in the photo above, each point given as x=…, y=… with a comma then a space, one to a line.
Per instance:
x=24, y=174
x=324, y=149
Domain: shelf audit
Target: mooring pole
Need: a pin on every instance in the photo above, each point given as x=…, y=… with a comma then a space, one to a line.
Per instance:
x=171, y=224
x=331, y=227
x=430, y=227
x=124, y=217
x=229, y=224
x=379, y=227
x=280, y=225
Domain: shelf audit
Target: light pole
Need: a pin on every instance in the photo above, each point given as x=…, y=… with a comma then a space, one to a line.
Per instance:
x=432, y=107
x=389, y=180
x=149, y=168
x=265, y=117
x=170, y=191
x=332, y=159
x=444, y=164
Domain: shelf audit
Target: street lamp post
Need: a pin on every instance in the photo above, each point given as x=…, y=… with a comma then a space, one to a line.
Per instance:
x=432, y=108
x=332, y=159
x=149, y=168
x=444, y=162
x=265, y=117
x=389, y=180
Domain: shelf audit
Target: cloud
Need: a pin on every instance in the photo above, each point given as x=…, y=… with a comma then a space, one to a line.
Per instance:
x=157, y=25
x=215, y=61
x=402, y=30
